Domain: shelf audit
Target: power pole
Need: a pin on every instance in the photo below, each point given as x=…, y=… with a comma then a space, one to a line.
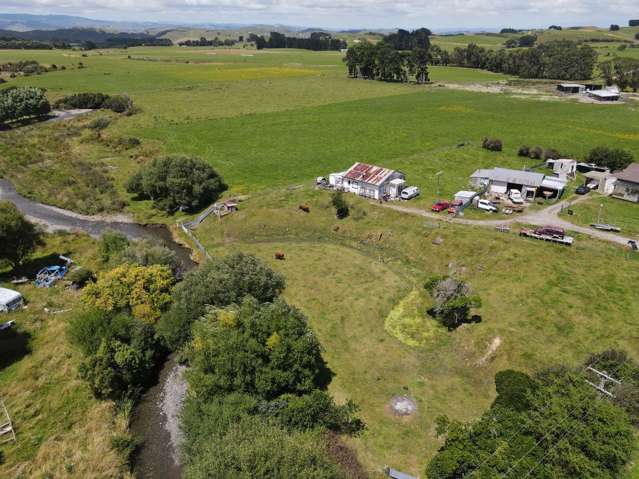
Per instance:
x=604, y=379
x=438, y=174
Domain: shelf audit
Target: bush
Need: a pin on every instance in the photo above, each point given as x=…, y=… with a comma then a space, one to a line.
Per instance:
x=90, y=101
x=453, y=301
x=126, y=445
x=219, y=282
x=536, y=153
x=100, y=123
x=340, y=205
x=492, y=144
x=18, y=237
x=80, y=276
x=551, y=154
x=118, y=103
x=26, y=102
x=612, y=158
x=524, y=151
x=111, y=244
x=177, y=183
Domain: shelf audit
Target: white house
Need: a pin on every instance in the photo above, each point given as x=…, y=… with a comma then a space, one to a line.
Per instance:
x=369, y=181
x=563, y=168
x=9, y=300
x=604, y=182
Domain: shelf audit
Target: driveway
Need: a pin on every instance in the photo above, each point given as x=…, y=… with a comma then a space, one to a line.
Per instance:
x=547, y=216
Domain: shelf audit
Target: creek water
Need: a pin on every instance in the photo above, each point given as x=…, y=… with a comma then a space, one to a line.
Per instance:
x=155, y=419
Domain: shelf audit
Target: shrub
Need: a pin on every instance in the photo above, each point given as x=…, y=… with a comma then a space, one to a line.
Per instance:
x=612, y=158
x=111, y=244
x=340, y=205
x=80, y=276
x=91, y=101
x=453, y=301
x=551, y=154
x=126, y=445
x=524, y=151
x=492, y=144
x=118, y=103
x=536, y=153
x=26, y=102
x=18, y=237
x=219, y=282
x=177, y=183
x=100, y=123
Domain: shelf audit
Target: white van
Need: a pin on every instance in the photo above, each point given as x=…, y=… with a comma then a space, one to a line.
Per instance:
x=410, y=193
x=10, y=300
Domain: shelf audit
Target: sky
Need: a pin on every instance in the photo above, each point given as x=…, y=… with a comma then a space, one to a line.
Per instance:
x=435, y=14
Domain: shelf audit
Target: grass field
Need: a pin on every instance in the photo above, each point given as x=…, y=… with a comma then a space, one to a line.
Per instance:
x=62, y=431
x=359, y=281
x=601, y=209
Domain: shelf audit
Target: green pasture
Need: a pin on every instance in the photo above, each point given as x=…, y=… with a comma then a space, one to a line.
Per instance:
x=488, y=41
x=607, y=210
x=360, y=283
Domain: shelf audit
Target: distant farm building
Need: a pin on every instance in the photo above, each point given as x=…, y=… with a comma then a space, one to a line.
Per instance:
x=605, y=95
x=530, y=184
x=627, y=185
x=369, y=181
x=572, y=88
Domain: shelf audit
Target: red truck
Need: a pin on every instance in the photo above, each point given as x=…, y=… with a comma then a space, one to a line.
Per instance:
x=440, y=206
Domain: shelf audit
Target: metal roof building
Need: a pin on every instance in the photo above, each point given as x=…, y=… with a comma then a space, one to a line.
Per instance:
x=369, y=181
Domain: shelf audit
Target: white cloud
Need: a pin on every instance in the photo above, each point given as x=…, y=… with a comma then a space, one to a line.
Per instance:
x=347, y=13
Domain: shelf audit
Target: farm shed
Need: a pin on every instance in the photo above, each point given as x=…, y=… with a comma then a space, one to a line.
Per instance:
x=627, y=185
x=466, y=197
x=9, y=300
x=565, y=168
x=501, y=180
x=605, y=182
x=572, y=88
x=369, y=181
x=605, y=95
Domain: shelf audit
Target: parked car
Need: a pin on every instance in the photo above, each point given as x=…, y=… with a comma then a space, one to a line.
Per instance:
x=409, y=193
x=553, y=231
x=515, y=197
x=582, y=190
x=440, y=206
x=455, y=206
x=486, y=206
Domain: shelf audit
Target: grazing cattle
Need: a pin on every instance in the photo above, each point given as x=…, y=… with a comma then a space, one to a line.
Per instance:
x=305, y=208
x=280, y=256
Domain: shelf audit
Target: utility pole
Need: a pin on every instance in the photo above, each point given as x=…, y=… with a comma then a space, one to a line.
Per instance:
x=438, y=174
x=599, y=215
x=604, y=379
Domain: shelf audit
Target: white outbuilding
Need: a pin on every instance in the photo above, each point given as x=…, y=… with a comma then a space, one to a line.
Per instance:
x=10, y=300
x=369, y=181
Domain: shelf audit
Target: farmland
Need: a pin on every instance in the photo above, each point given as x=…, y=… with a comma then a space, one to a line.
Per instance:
x=272, y=121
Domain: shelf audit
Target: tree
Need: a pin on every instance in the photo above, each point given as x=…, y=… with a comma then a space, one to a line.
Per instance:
x=527, y=41
x=419, y=65
x=219, y=282
x=453, y=301
x=561, y=429
x=613, y=158
x=144, y=291
x=340, y=205
x=177, y=183
x=265, y=350
x=112, y=243
x=18, y=237
x=25, y=102
x=253, y=447
x=614, y=28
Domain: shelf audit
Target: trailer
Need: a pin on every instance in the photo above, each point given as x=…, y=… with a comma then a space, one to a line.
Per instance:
x=529, y=233
x=604, y=227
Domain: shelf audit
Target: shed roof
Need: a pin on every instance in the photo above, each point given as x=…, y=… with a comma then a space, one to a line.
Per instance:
x=554, y=183
x=572, y=85
x=605, y=93
x=8, y=295
x=373, y=175
x=630, y=174
x=518, y=177
x=395, y=474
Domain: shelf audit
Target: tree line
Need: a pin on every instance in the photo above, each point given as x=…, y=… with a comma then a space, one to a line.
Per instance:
x=397, y=57
x=204, y=42
x=558, y=60
x=317, y=41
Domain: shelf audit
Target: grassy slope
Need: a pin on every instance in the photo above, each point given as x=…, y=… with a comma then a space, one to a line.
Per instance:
x=607, y=210
x=349, y=279
x=61, y=430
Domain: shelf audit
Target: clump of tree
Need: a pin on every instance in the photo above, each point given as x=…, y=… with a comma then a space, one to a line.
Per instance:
x=97, y=101
x=492, y=144
x=204, y=42
x=525, y=41
x=633, y=23
x=258, y=382
x=18, y=236
x=395, y=58
x=8, y=43
x=219, y=283
x=560, y=60
x=26, y=67
x=21, y=103
x=316, y=41
x=453, y=301
x=623, y=72
x=614, y=28
x=116, y=249
x=121, y=353
x=613, y=158
x=177, y=182
x=555, y=27
x=144, y=292
x=553, y=424
x=341, y=206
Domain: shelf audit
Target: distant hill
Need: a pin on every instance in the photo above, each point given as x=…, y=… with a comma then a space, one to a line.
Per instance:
x=25, y=22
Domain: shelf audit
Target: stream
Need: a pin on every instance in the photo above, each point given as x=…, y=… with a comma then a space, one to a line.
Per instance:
x=155, y=418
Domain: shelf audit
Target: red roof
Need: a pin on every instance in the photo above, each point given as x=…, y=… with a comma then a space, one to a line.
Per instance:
x=373, y=175
x=630, y=174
